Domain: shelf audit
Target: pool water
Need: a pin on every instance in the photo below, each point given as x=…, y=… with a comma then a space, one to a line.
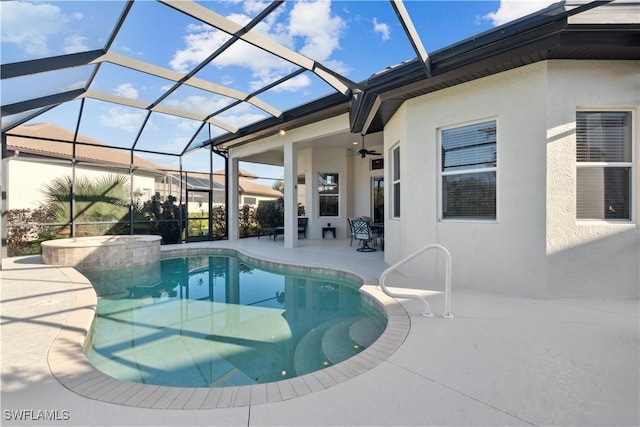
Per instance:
x=214, y=321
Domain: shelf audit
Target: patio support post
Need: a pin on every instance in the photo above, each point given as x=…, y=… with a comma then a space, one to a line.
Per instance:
x=3, y=191
x=233, y=197
x=290, y=195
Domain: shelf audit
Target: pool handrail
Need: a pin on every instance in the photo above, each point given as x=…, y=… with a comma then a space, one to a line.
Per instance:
x=447, y=278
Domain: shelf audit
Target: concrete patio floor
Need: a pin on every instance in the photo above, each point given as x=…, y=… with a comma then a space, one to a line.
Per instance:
x=502, y=360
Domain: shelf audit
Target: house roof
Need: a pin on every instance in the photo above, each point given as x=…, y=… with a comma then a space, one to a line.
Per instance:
x=50, y=140
x=248, y=184
x=557, y=32
x=575, y=29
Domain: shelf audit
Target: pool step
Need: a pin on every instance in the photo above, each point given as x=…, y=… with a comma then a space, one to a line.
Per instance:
x=365, y=331
x=337, y=344
x=308, y=356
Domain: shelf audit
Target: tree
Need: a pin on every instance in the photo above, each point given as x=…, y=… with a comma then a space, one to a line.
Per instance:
x=166, y=217
x=278, y=186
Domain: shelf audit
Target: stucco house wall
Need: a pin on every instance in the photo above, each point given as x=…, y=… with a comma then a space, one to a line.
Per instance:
x=596, y=258
x=361, y=194
x=519, y=252
x=331, y=160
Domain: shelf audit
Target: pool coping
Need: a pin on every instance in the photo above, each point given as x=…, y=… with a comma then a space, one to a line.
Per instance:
x=69, y=365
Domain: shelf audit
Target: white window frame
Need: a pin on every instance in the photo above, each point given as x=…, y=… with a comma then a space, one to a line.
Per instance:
x=631, y=164
x=442, y=174
x=395, y=182
x=320, y=195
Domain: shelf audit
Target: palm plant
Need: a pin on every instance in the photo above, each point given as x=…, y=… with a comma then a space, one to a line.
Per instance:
x=104, y=199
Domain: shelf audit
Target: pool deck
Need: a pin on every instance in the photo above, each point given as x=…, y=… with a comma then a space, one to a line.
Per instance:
x=502, y=360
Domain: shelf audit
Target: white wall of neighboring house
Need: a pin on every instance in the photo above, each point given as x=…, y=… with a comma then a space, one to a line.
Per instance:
x=535, y=246
x=26, y=178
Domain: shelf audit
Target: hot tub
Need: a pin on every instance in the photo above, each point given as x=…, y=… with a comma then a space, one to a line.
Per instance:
x=99, y=253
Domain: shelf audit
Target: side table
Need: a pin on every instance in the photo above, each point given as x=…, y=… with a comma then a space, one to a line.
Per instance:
x=331, y=229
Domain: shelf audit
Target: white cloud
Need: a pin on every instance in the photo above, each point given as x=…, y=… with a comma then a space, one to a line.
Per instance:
x=45, y=20
x=514, y=9
x=75, y=44
x=293, y=85
x=254, y=7
x=127, y=90
x=199, y=103
x=321, y=31
x=382, y=28
x=122, y=118
x=308, y=21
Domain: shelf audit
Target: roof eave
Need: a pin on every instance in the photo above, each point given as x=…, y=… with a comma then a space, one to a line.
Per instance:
x=556, y=41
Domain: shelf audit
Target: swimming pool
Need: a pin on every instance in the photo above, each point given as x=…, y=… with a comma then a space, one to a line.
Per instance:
x=221, y=320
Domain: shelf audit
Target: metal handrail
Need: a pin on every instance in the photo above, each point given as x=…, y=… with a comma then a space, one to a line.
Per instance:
x=447, y=281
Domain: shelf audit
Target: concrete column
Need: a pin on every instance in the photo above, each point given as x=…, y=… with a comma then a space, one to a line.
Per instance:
x=290, y=195
x=233, y=200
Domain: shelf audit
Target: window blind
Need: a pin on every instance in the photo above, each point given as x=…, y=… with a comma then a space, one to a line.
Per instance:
x=603, y=136
x=469, y=147
x=469, y=156
x=603, y=160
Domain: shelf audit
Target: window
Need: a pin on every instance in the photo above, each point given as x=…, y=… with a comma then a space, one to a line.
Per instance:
x=395, y=182
x=603, y=165
x=377, y=198
x=329, y=193
x=468, y=166
x=377, y=164
x=250, y=200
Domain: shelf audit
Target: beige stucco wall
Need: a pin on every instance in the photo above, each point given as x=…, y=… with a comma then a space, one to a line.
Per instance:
x=535, y=247
x=506, y=254
x=597, y=258
x=360, y=202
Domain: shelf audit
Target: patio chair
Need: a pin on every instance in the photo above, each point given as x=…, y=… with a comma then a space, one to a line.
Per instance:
x=362, y=232
x=302, y=226
x=374, y=233
x=350, y=223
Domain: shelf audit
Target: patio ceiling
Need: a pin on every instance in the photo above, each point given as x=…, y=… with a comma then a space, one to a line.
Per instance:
x=162, y=97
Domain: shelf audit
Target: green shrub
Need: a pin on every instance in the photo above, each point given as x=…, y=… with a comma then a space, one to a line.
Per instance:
x=270, y=213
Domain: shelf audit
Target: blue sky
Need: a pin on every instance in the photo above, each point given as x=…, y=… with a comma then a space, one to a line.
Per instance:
x=354, y=38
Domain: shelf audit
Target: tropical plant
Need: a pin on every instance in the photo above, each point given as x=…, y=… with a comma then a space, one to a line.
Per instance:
x=270, y=213
x=99, y=201
x=26, y=229
x=219, y=227
x=247, y=221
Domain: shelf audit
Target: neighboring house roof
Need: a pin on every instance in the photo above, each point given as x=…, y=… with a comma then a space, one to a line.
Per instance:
x=47, y=139
x=247, y=183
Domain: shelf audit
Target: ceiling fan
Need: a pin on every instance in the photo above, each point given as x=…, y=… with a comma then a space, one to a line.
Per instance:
x=363, y=151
